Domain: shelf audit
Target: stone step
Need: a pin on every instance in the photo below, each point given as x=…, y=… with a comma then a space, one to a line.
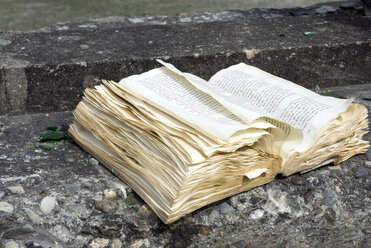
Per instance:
x=48, y=69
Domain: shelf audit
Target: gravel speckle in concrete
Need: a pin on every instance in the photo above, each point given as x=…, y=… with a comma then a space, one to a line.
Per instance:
x=329, y=197
x=257, y=214
x=368, y=154
x=18, y=190
x=225, y=208
x=361, y=172
x=84, y=47
x=6, y=207
x=11, y=244
x=47, y=204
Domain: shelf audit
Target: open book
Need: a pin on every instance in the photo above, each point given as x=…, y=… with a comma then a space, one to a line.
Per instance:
x=182, y=142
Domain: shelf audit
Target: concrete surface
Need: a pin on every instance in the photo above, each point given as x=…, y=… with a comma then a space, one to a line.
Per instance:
x=52, y=195
x=327, y=207
x=47, y=70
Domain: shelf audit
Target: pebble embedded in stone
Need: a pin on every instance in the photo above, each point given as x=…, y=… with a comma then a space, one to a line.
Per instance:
x=293, y=203
x=329, y=197
x=225, y=208
x=2, y=194
x=6, y=207
x=233, y=200
x=214, y=216
x=60, y=28
x=15, y=233
x=11, y=244
x=297, y=180
x=93, y=161
x=122, y=187
x=34, y=218
x=109, y=194
x=257, y=214
x=368, y=154
x=116, y=243
x=47, y=204
x=18, y=190
x=88, y=26
x=317, y=182
x=205, y=231
x=325, y=9
x=146, y=211
x=84, y=46
x=106, y=206
x=140, y=243
x=361, y=172
x=5, y=42
x=27, y=159
x=136, y=20
x=368, y=184
x=185, y=19
x=70, y=159
x=61, y=233
x=101, y=241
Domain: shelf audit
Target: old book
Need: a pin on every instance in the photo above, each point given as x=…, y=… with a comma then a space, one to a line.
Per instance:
x=182, y=142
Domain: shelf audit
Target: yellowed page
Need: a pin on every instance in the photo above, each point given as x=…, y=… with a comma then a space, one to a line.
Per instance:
x=177, y=97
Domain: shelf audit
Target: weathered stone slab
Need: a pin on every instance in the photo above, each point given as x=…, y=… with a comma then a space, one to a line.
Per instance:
x=327, y=207
x=47, y=70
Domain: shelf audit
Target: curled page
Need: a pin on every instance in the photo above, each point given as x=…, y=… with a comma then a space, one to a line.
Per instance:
x=256, y=173
x=174, y=95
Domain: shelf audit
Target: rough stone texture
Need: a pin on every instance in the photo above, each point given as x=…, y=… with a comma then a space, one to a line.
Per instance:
x=47, y=70
x=327, y=207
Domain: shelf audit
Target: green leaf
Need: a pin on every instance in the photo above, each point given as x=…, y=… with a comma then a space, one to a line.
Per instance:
x=31, y=143
x=55, y=142
x=53, y=135
x=330, y=93
x=282, y=35
x=44, y=147
x=309, y=33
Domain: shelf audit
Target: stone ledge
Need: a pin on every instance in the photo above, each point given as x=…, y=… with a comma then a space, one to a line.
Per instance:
x=327, y=207
x=47, y=70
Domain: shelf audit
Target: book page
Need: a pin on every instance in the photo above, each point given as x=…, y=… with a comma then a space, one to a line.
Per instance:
x=278, y=99
x=176, y=96
x=252, y=94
